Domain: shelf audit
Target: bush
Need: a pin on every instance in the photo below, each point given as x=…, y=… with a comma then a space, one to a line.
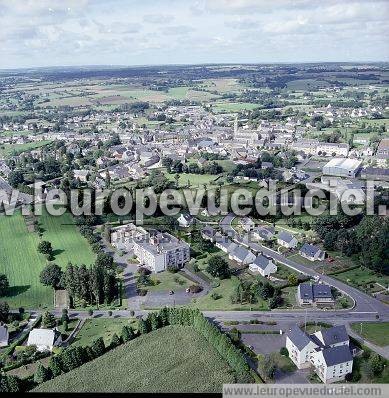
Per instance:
x=195, y=288
x=284, y=351
x=216, y=296
x=143, y=271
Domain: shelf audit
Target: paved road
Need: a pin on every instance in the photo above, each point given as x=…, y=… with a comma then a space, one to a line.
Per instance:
x=363, y=302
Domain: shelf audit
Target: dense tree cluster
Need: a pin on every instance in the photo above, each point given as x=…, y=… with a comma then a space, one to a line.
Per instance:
x=176, y=166
x=366, y=237
x=94, y=285
x=218, y=267
x=4, y=284
x=251, y=291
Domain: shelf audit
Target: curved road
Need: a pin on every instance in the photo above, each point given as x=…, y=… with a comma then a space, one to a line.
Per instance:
x=364, y=303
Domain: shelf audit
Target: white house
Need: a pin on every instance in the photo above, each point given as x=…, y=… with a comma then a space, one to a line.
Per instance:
x=225, y=244
x=300, y=347
x=160, y=250
x=287, y=240
x=44, y=339
x=241, y=255
x=264, y=233
x=327, y=351
x=82, y=175
x=264, y=265
x=332, y=149
x=4, y=335
x=185, y=220
x=247, y=223
x=312, y=252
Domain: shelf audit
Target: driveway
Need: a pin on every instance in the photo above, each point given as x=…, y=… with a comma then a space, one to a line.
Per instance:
x=264, y=343
x=299, y=376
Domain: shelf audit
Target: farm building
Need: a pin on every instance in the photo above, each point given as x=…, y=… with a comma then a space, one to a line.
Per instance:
x=342, y=167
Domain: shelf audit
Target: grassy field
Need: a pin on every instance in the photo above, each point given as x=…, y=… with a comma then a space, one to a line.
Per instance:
x=169, y=281
x=376, y=332
x=364, y=279
x=194, y=180
x=223, y=302
x=67, y=242
x=172, y=359
x=100, y=327
x=7, y=150
x=21, y=262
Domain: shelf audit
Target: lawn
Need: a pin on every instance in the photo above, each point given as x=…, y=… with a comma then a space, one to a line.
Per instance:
x=100, y=327
x=7, y=150
x=68, y=244
x=376, y=332
x=223, y=302
x=172, y=359
x=21, y=262
x=194, y=180
x=363, y=279
x=169, y=281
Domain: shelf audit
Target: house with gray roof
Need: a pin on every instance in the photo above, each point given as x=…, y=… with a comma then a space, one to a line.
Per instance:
x=327, y=351
x=208, y=233
x=241, y=255
x=247, y=223
x=314, y=294
x=185, y=220
x=312, y=252
x=225, y=244
x=264, y=233
x=264, y=265
x=287, y=240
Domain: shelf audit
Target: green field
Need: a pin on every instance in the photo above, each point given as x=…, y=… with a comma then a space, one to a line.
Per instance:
x=363, y=278
x=100, y=327
x=223, y=302
x=376, y=332
x=21, y=262
x=169, y=281
x=10, y=149
x=172, y=359
x=67, y=242
x=194, y=180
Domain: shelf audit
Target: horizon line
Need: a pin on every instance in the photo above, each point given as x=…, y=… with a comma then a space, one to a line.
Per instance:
x=190, y=64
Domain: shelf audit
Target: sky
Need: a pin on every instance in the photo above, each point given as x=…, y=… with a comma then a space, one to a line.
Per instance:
x=36, y=33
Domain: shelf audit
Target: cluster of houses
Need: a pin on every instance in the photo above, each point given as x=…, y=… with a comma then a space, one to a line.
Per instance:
x=327, y=352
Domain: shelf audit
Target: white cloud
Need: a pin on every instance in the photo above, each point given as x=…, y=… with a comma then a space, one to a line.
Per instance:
x=34, y=32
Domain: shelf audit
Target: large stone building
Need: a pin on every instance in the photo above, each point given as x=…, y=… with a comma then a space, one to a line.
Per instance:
x=160, y=250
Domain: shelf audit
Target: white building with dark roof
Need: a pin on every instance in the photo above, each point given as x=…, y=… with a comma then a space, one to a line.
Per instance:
x=327, y=351
x=312, y=252
x=264, y=265
x=287, y=240
x=160, y=250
